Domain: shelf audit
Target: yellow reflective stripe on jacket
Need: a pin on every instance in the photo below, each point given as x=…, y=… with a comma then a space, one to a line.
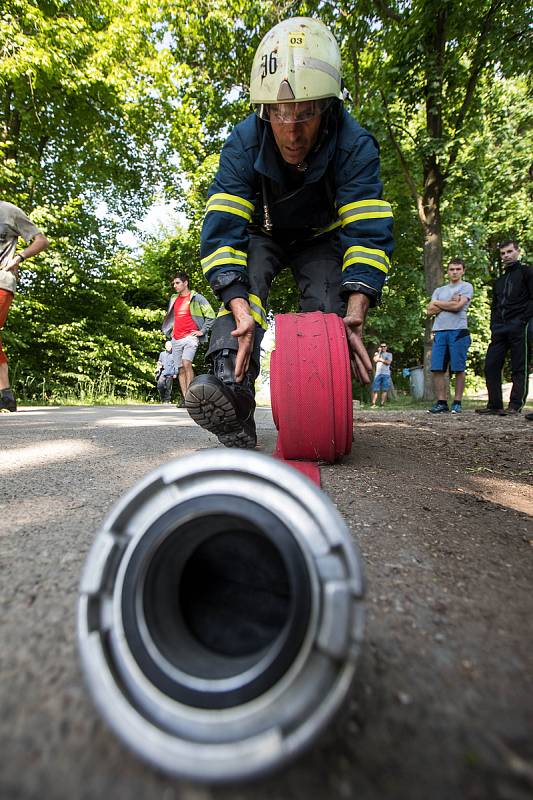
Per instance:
x=256, y=309
x=364, y=209
x=366, y=255
x=224, y=255
x=258, y=312
x=231, y=203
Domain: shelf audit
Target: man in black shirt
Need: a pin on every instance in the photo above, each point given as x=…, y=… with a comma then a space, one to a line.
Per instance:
x=511, y=324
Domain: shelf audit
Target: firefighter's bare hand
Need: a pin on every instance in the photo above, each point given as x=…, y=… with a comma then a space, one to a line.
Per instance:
x=245, y=333
x=354, y=322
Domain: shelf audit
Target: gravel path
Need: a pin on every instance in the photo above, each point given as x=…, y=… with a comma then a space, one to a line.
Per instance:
x=442, y=509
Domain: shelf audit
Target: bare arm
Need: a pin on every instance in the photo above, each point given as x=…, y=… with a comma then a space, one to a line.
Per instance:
x=37, y=245
x=457, y=302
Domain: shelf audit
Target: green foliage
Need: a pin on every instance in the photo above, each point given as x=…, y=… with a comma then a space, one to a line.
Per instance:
x=86, y=91
x=77, y=313
x=125, y=100
x=439, y=85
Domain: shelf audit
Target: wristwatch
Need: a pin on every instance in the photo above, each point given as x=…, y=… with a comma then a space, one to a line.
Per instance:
x=22, y=258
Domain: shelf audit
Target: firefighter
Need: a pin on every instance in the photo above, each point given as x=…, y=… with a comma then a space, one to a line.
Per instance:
x=298, y=186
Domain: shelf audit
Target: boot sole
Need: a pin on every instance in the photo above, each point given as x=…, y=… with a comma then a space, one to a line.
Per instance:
x=210, y=409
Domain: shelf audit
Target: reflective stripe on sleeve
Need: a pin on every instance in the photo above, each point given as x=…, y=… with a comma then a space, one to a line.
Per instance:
x=364, y=209
x=232, y=204
x=365, y=255
x=258, y=312
x=222, y=256
x=256, y=309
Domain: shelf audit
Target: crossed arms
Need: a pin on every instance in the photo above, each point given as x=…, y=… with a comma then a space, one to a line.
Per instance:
x=454, y=305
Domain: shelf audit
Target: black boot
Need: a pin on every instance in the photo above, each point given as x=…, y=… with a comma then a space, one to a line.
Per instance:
x=222, y=406
x=7, y=401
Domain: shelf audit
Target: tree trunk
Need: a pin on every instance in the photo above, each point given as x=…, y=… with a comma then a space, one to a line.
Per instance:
x=428, y=380
x=435, y=45
x=10, y=124
x=433, y=276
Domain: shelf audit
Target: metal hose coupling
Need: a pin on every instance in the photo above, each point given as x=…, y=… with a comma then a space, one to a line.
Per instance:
x=221, y=615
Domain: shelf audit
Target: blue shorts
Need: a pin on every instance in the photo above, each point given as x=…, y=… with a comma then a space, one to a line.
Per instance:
x=381, y=383
x=450, y=349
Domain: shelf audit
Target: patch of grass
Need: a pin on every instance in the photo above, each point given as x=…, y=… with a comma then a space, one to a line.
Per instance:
x=407, y=403
x=71, y=389
x=71, y=400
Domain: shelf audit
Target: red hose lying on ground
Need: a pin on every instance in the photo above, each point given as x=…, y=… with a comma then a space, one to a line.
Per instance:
x=311, y=390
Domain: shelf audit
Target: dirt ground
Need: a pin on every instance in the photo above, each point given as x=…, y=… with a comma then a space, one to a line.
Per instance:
x=442, y=709
x=443, y=514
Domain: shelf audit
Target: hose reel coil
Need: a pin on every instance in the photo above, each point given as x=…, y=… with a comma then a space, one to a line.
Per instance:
x=220, y=615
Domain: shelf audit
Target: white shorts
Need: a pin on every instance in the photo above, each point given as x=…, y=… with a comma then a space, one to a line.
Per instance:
x=184, y=349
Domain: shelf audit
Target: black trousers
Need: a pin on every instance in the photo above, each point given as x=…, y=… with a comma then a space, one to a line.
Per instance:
x=317, y=270
x=514, y=337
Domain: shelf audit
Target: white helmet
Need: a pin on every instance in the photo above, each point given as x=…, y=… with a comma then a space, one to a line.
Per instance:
x=298, y=61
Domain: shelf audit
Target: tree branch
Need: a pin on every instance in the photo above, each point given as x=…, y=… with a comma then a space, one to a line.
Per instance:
x=386, y=11
x=403, y=163
x=404, y=130
x=357, y=78
x=13, y=134
x=43, y=141
x=478, y=62
x=7, y=112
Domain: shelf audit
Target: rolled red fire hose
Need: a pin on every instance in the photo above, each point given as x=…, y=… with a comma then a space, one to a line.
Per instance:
x=311, y=390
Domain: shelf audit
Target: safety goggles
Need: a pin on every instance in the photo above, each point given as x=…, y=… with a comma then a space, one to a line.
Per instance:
x=293, y=113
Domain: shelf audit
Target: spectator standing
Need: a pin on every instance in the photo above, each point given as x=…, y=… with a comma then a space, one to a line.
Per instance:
x=382, y=378
x=14, y=224
x=165, y=373
x=189, y=319
x=451, y=341
x=511, y=325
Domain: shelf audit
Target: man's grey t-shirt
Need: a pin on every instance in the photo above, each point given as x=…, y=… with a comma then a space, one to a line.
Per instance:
x=13, y=223
x=452, y=320
x=167, y=360
x=381, y=368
